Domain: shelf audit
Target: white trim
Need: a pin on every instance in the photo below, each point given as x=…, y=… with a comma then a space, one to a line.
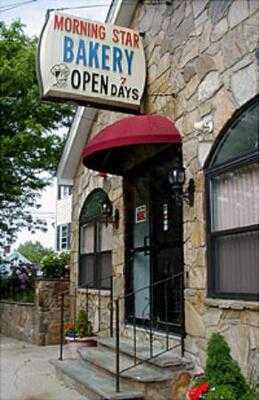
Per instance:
x=121, y=13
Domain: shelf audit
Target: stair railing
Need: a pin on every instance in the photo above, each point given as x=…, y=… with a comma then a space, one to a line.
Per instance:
x=87, y=286
x=180, y=325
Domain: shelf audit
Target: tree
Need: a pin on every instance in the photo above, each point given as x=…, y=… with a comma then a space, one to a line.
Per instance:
x=30, y=146
x=34, y=252
x=56, y=265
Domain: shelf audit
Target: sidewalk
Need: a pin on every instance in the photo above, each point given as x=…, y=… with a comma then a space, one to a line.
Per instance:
x=26, y=374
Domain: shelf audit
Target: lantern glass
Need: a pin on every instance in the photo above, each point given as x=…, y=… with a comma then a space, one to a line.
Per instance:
x=181, y=176
x=106, y=209
x=177, y=177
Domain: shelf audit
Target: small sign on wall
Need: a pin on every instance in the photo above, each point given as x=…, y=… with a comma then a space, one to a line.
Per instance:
x=141, y=214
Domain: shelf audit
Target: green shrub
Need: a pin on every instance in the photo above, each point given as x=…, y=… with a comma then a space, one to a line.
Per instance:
x=54, y=265
x=222, y=392
x=223, y=373
x=83, y=325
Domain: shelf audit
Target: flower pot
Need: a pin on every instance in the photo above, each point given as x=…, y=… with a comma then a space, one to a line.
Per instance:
x=90, y=341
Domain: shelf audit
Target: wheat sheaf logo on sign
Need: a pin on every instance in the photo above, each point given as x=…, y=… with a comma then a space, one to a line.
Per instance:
x=61, y=73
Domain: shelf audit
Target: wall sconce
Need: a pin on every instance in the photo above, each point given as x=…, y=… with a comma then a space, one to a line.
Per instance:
x=111, y=216
x=176, y=179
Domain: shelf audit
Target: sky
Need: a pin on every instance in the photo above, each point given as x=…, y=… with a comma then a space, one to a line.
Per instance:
x=32, y=14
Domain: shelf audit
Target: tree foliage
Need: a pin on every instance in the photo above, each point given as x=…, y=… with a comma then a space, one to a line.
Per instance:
x=29, y=147
x=34, y=251
x=56, y=265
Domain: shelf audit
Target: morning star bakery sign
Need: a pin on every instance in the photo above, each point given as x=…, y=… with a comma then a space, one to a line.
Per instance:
x=90, y=63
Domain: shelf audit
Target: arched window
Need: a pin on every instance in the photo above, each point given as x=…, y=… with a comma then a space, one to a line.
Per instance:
x=232, y=187
x=95, y=238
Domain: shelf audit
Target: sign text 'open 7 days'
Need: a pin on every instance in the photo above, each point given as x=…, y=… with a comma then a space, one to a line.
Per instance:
x=91, y=63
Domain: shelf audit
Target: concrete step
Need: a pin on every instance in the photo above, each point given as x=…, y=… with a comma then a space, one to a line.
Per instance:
x=93, y=382
x=104, y=358
x=169, y=359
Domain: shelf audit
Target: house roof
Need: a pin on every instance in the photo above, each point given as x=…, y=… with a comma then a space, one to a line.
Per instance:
x=15, y=255
x=120, y=13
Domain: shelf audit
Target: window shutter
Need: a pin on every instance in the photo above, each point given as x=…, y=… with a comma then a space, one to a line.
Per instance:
x=58, y=237
x=59, y=192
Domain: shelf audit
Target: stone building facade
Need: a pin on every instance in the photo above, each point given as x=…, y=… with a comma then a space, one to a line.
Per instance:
x=202, y=68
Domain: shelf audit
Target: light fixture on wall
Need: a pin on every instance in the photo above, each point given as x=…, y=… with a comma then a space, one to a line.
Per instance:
x=111, y=216
x=176, y=179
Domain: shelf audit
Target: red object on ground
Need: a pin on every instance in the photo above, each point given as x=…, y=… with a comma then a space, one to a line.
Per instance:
x=128, y=133
x=196, y=392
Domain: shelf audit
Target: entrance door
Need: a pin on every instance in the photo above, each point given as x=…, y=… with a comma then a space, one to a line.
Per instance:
x=153, y=249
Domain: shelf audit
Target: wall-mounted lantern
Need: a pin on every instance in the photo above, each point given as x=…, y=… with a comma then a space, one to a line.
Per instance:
x=176, y=179
x=111, y=216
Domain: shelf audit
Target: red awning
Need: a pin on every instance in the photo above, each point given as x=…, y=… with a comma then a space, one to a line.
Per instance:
x=110, y=148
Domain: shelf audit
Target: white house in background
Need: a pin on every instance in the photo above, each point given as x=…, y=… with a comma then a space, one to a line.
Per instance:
x=63, y=216
x=65, y=174
x=16, y=259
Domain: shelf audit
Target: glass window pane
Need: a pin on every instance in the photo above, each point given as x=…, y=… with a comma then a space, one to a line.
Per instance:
x=242, y=137
x=63, y=237
x=105, y=265
x=235, y=198
x=87, y=239
x=86, y=270
x=106, y=237
x=236, y=263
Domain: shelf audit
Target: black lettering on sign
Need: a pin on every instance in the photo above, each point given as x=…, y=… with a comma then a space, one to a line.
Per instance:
x=104, y=85
x=75, y=79
x=95, y=82
x=113, y=89
x=128, y=90
x=121, y=92
x=135, y=94
x=86, y=79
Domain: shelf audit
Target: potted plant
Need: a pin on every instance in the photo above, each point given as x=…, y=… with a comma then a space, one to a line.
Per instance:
x=81, y=332
x=85, y=329
x=70, y=332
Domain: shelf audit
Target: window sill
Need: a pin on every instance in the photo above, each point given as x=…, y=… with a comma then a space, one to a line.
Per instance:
x=233, y=304
x=103, y=292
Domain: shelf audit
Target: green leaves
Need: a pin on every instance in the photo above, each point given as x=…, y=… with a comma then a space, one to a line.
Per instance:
x=30, y=146
x=54, y=265
x=34, y=252
x=223, y=373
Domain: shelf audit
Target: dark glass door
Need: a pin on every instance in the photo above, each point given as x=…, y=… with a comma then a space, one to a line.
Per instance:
x=154, y=248
x=166, y=254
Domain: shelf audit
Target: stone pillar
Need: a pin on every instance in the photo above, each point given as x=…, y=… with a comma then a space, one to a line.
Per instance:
x=47, y=303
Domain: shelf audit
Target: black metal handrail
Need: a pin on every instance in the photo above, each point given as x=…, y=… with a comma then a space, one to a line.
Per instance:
x=85, y=286
x=137, y=360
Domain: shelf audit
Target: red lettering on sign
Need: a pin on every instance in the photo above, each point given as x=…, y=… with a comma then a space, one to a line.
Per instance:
x=79, y=27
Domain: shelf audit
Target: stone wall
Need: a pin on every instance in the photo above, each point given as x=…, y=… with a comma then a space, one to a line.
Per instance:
x=17, y=320
x=201, y=66
x=98, y=308
x=37, y=322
